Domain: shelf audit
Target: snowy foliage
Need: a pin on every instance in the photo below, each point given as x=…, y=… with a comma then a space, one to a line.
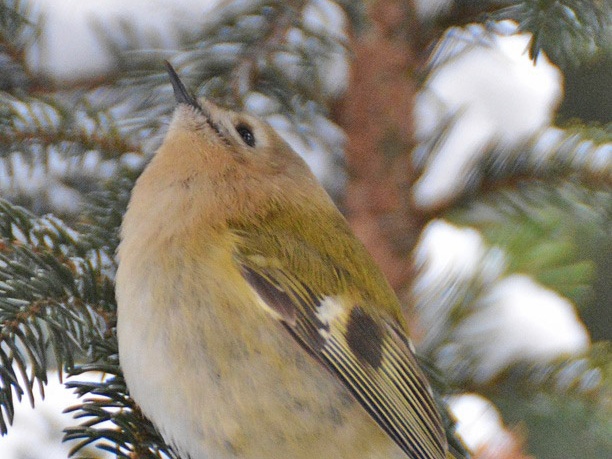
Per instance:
x=490, y=93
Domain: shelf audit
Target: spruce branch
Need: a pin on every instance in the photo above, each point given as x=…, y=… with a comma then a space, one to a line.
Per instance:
x=557, y=153
x=110, y=419
x=586, y=375
x=52, y=294
x=52, y=153
x=568, y=31
x=570, y=395
x=578, y=154
x=44, y=122
x=17, y=32
x=261, y=46
x=559, y=233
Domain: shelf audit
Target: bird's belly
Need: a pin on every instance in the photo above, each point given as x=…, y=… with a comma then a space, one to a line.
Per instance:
x=213, y=397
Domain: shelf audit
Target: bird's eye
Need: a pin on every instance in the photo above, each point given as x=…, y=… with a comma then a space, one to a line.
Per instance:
x=247, y=134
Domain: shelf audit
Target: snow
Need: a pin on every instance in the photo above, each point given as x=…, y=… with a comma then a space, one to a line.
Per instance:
x=447, y=250
x=146, y=23
x=450, y=260
x=62, y=198
x=133, y=161
x=513, y=318
x=479, y=423
x=101, y=25
x=520, y=320
x=257, y=102
x=36, y=432
x=492, y=92
x=325, y=16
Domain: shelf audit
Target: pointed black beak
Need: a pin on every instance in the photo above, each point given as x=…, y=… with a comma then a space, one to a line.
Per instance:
x=180, y=91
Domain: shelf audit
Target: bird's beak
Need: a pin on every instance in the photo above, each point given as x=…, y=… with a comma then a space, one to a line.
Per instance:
x=183, y=97
x=180, y=91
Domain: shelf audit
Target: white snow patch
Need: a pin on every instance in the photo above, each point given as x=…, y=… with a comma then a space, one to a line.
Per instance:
x=325, y=16
x=37, y=432
x=447, y=250
x=132, y=161
x=519, y=320
x=72, y=43
x=494, y=93
x=479, y=423
x=450, y=260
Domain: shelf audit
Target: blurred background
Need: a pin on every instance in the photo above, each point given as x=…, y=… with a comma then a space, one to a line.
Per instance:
x=468, y=143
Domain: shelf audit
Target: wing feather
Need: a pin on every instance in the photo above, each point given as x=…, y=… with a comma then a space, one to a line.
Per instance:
x=386, y=381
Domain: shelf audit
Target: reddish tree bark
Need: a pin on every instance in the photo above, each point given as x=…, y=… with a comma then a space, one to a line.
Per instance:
x=376, y=114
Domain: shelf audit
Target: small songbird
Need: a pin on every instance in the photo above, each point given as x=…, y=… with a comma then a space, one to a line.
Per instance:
x=251, y=321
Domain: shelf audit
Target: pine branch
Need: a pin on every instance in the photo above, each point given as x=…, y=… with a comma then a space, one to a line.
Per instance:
x=564, y=405
x=579, y=154
x=56, y=290
x=48, y=121
x=568, y=31
x=102, y=216
x=559, y=234
x=52, y=152
x=587, y=375
x=110, y=419
x=54, y=296
x=554, y=154
x=17, y=33
x=261, y=46
x=566, y=388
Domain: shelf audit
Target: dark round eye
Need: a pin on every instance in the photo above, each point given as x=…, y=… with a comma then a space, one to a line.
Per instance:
x=246, y=134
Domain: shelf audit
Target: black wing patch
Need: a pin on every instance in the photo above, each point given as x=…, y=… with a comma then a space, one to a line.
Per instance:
x=365, y=337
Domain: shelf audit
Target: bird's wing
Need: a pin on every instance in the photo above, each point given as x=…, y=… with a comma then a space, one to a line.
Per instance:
x=368, y=352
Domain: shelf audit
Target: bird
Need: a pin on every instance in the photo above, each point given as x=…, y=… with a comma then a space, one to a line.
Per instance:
x=251, y=321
